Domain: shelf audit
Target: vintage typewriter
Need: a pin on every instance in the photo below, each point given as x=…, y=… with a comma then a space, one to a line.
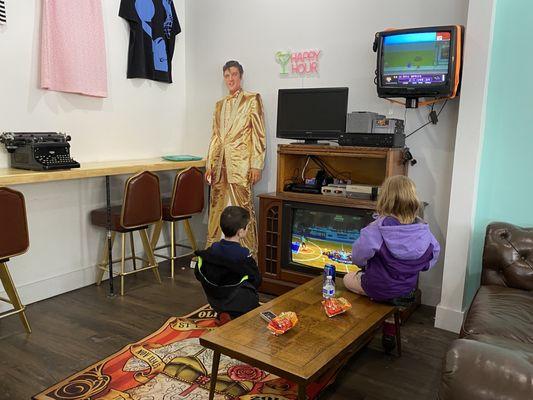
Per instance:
x=39, y=151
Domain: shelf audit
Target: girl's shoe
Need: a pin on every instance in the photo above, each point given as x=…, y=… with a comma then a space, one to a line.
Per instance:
x=388, y=338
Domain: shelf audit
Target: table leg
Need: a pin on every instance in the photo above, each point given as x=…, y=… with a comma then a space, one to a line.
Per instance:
x=214, y=373
x=397, y=329
x=302, y=395
x=109, y=241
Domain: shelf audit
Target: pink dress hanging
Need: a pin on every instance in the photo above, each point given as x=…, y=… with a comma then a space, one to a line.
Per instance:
x=73, y=57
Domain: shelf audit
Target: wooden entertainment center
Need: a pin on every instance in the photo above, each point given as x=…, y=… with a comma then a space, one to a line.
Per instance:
x=362, y=165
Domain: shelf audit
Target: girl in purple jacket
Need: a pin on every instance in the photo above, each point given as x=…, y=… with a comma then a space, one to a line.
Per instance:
x=393, y=249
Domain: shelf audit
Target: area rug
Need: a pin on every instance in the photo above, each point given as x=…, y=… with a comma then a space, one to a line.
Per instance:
x=170, y=364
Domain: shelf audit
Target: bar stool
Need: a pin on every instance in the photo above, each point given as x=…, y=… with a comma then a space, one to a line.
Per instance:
x=14, y=240
x=140, y=208
x=187, y=200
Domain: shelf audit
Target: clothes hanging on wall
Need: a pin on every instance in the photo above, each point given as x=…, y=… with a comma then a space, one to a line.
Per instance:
x=154, y=26
x=3, y=17
x=73, y=57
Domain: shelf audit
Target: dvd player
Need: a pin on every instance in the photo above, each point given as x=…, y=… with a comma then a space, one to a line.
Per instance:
x=372, y=139
x=303, y=188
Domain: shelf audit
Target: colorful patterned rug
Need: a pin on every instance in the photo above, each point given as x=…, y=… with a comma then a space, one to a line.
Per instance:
x=170, y=364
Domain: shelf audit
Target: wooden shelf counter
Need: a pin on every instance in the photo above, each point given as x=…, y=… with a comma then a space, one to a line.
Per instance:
x=14, y=176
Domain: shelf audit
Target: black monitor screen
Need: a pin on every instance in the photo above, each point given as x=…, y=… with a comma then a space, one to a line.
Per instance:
x=415, y=59
x=312, y=113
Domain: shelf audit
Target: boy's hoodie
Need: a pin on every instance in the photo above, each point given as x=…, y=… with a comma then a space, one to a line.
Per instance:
x=392, y=255
x=229, y=276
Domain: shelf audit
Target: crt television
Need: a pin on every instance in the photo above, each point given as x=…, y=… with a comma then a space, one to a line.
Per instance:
x=419, y=62
x=315, y=235
x=312, y=114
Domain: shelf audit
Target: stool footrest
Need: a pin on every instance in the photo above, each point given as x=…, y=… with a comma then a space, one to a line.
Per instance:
x=11, y=312
x=135, y=270
x=117, y=261
x=139, y=270
x=175, y=257
x=168, y=246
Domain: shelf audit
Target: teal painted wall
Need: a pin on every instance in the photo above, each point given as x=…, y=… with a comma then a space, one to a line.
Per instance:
x=505, y=191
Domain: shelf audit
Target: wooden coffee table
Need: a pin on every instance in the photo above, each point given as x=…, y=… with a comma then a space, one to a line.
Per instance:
x=317, y=344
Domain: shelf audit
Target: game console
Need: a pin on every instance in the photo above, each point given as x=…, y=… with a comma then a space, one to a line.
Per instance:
x=371, y=122
x=370, y=129
x=354, y=191
x=361, y=121
x=362, y=192
x=334, y=190
x=387, y=125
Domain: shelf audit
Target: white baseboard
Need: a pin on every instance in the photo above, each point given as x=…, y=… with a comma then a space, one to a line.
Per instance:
x=448, y=319
x=55, y=285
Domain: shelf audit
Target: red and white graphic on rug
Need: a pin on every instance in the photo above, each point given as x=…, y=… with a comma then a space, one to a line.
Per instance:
x=171, y=364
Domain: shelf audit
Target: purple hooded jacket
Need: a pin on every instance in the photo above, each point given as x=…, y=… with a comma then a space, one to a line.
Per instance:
x=393, y=255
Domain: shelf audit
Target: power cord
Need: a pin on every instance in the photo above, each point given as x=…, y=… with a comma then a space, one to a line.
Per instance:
x=408, y=157
x=305, y=167
x=433, y=118
x=330, y=170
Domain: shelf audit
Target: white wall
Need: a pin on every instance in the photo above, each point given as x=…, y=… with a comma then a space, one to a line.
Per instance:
x=142, y=119
x=251, y=31
x=139, y=119
x=470, y=131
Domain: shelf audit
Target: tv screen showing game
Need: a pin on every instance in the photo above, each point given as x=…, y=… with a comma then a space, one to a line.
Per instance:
x=416, y=58
x=319, y=237
x=419, y=62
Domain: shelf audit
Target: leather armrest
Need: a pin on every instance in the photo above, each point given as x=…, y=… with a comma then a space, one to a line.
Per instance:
x=508, y=256
x=480, y=371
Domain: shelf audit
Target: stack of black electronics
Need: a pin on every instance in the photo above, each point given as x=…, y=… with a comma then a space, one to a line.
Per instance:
x=370, y=129
x=310, y=186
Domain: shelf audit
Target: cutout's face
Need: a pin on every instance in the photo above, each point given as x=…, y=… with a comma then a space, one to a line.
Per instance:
x=232, y=79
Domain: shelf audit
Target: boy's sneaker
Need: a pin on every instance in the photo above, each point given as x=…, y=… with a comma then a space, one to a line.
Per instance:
x=223, y=318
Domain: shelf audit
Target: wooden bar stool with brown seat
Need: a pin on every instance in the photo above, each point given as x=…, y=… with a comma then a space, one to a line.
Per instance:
x=140, y=208
x=187, y=200
x=14, y=240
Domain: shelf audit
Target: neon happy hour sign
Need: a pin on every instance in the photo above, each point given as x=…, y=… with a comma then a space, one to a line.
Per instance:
x=298, y=62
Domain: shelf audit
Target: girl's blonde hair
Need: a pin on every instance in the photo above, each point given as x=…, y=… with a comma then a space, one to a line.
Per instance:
x=398, y=199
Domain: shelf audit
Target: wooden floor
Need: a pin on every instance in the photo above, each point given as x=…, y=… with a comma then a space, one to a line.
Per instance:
x=76, y=329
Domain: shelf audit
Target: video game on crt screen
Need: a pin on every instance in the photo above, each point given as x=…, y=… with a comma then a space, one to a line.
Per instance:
x=416, y=58
x=320, y=238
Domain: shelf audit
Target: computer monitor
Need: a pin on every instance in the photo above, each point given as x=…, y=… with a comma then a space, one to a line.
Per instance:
x=312, y=114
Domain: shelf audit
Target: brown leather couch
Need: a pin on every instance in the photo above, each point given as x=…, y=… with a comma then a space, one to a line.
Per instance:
x=493, y=359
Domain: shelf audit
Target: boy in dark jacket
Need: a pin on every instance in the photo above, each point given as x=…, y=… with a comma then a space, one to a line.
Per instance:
x=227, y=271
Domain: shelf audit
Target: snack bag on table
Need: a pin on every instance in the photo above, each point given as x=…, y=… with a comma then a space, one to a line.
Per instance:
x=335, y=306
x=282, y=323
